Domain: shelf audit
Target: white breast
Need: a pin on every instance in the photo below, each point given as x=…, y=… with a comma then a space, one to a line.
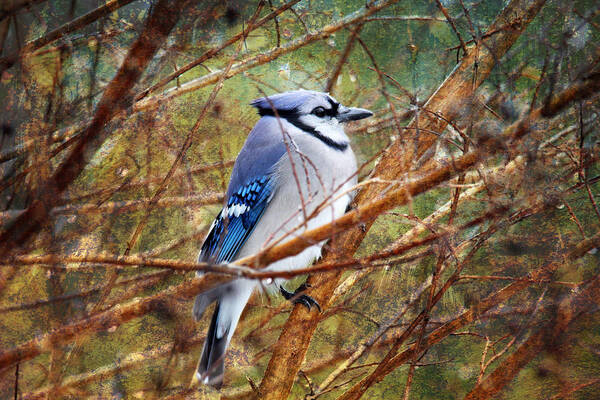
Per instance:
x=318, y=177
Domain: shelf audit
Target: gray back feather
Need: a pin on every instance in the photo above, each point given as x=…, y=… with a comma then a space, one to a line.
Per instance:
x=263, y=148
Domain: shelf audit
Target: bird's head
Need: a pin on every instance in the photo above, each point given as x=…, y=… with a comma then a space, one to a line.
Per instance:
x=315, y=113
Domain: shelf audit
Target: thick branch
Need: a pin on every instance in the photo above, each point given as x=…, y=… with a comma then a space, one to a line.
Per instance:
x=100, y=322
x=463, y=320
x=459, y=86
x=124, y=206
x=546, y=337
x=513, y=132
x=115, y=99
x=65, y=29
x=131, y=361
x=11, y=8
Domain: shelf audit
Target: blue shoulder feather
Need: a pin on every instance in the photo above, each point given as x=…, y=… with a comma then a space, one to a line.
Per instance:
x=250, y=189
x=237, y=220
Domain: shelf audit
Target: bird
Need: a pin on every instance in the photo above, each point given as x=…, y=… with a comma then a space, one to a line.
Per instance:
x=295, y=172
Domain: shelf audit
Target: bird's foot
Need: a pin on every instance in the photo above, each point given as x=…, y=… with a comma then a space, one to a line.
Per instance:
x=297, y=297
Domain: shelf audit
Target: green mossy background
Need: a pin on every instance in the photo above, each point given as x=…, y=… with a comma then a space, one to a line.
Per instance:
x=416, y=55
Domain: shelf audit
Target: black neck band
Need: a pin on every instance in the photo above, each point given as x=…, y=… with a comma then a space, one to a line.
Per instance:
x=293, y=118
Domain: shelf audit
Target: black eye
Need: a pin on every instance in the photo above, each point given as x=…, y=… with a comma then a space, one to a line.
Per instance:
x=319, y=112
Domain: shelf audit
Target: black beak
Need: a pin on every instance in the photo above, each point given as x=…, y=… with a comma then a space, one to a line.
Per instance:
x=346, y=114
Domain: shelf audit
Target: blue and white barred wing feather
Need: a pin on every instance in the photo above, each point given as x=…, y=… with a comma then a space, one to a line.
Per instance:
x=230, y=230
x=251, y=188
x=237, y=220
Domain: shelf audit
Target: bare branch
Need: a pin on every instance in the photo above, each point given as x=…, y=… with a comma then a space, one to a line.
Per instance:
x=164, y=16
x=260, y=59
x=299, y=328
x=78, y=23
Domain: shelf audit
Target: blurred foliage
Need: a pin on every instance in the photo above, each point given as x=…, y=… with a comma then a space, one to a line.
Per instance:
x=60, y=85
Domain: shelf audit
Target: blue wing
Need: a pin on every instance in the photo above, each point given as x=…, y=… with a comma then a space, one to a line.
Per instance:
x=237, y=220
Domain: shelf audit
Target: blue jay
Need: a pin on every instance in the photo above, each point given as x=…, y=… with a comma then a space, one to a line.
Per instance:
x=295, y=172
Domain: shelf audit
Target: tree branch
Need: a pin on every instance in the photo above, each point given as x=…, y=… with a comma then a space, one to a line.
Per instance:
x=77, y=23
x=115, y=99
x=297, y=332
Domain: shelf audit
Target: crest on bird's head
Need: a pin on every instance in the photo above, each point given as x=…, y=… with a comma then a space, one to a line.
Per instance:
x=315, y=113
x=298, y=101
